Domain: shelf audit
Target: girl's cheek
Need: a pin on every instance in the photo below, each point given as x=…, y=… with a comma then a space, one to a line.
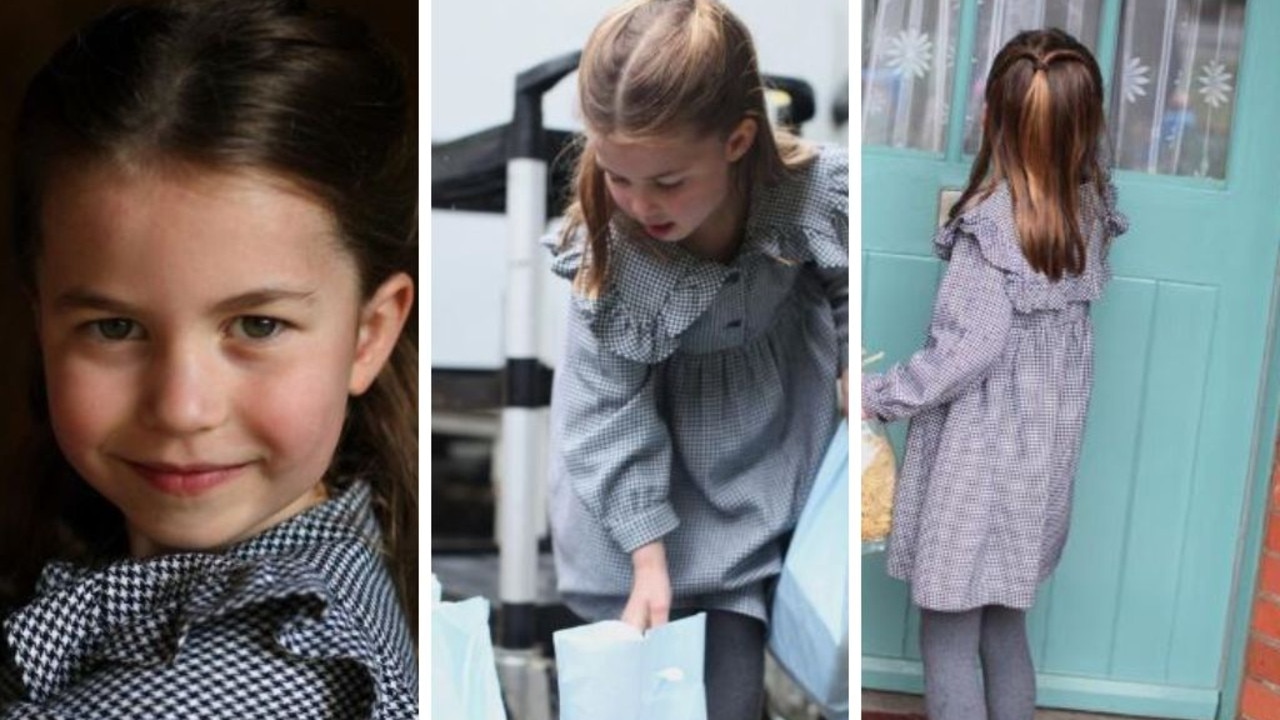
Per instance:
x=299, y=412
x=86, y=404
x=621, y=199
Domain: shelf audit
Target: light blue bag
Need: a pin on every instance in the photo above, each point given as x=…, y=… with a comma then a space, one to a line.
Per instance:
x=609, y=670
x=464, y=676
x=809, y=628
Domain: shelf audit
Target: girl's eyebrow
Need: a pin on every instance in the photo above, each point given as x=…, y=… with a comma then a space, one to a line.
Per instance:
x=264, y=296
x=82, y=298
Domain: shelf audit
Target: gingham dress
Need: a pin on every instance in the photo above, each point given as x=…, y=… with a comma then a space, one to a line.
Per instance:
x=695, y=399
x=299, y=622
x=997, y=399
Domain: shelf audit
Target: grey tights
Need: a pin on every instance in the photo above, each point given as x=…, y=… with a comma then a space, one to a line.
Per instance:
x=955, y=646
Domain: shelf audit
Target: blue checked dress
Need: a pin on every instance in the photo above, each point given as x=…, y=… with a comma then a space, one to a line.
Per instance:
x=695, y=399
x=997, y=401
x=301, y=621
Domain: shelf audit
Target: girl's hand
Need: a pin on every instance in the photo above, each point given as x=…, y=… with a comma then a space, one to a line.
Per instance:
x=650, y=603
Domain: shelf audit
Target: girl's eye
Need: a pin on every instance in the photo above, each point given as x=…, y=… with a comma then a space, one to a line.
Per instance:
x=669, y=184
x=257, y=327
x=615, y=180
x=115, y=329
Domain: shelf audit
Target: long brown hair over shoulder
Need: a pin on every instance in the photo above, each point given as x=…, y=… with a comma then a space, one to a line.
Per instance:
x=304, y=94
x=1041, y=135
x=657, y=68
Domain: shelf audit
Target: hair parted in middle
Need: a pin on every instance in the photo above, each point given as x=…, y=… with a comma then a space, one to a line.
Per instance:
x=1042, y=131
x=655, y=69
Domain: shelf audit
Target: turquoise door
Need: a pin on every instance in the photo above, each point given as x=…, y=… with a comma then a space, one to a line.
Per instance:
x=1137, y=618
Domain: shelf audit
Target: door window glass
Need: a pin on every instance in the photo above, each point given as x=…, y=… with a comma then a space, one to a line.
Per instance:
x=1177, y=69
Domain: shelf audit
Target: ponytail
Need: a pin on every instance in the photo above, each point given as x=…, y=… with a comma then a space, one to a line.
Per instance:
x=1045, y=196
x=1042, y=130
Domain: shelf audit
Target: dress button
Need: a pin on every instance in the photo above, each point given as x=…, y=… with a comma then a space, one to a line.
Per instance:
x=733, y=277
x=734, y=325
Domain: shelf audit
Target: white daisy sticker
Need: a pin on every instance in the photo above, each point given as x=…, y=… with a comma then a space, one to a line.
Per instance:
x=1134, y=79
x=910, y=53
x=1215, y=83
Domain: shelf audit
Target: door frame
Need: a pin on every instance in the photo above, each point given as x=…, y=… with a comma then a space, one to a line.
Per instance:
x=1262, y=86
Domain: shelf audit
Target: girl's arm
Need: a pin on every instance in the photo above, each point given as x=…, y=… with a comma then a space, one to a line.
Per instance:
x=835, y=281
x=617, y=457
x=972, y=315
x=613, y=442
x=650, y=602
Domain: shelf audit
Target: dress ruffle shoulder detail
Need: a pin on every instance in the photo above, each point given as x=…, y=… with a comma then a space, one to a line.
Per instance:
x=657, y=291
x=654, y=293
x=805, y=218
x=990, y=224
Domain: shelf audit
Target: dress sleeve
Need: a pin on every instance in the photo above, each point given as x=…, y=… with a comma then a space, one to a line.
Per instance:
x=614, y=444
x=835, y=281
x=972, y=316
x=835, y=272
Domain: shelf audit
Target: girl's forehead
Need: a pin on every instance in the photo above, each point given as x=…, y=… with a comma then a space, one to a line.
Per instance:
x=114, y=223
x=649, y=151
x=676, y=138
x=176, y=194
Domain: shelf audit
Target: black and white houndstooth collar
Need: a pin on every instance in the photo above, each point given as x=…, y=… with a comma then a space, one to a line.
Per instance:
x=321, y=572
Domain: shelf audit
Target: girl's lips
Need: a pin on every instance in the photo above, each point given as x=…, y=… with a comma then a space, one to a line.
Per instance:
x=186, y=480
x=659, y=230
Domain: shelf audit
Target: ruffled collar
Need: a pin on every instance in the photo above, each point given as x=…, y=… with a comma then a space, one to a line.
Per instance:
x=991, y=225
x=141, y=612
x=656, y=292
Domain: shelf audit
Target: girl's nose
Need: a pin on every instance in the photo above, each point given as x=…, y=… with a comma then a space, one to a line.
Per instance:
x=184, y=396
x=644, y=206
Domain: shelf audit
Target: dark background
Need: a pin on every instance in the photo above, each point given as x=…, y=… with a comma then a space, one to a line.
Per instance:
x=29, y=33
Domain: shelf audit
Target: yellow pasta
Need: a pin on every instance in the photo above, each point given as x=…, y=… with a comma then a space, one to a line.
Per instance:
x=878, y=475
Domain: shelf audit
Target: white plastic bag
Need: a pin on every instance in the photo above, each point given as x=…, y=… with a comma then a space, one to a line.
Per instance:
x=610, y=671
x=809, y=628
x=464, y=675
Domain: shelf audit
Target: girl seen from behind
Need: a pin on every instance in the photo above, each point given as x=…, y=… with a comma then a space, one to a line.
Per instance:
x=216, y=227
x=998, y=396
x=708, y=332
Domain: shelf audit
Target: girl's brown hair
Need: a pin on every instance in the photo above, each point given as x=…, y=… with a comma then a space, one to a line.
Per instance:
x=1041, y=135
x=306, y=95
x=655, y=68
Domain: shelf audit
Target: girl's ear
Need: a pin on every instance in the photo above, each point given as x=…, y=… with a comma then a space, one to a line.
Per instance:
x=381, y=321
x=741, y=139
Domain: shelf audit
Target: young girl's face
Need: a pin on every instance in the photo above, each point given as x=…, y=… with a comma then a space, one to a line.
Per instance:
x=678, y=188
x=201, y=332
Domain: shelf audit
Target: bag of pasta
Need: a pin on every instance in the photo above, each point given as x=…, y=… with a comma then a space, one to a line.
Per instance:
x=879, y=473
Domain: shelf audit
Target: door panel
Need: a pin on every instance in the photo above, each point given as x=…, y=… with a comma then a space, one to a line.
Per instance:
x=1135, y=619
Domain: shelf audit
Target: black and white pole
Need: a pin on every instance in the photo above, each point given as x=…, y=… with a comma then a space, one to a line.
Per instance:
x=527, y=386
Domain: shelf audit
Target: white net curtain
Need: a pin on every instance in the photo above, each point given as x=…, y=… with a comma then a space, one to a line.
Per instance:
x=908, y=66
x=1172, y=84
